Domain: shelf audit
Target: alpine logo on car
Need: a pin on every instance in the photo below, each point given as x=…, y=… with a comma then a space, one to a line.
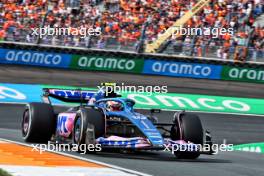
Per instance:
x=65, y=123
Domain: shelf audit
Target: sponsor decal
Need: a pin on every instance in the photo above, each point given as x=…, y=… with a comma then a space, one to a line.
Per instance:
x=181, y=69
x=75, y=94
x=243, y=74
x=34, y=58
x=107, y=63
x=139, y=117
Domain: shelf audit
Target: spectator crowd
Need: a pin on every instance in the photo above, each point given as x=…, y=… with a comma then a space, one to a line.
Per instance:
x=123, y=22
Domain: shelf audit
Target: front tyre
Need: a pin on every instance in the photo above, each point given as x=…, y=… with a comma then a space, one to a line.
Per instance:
x=38, y=122
x=188, y=128
x=88, y=126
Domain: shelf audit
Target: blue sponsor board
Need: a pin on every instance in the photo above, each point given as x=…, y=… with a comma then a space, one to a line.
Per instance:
x=182, y=69
x=26, y=57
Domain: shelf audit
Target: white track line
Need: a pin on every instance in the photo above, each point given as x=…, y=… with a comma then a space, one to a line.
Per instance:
x=84, y=159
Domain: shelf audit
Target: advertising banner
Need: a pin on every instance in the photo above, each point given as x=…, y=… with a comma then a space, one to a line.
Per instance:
x=131, y=65
x=35, y=58
x=23, y=93
x=93, y=62
x=196, y=102
x=181, y=69
x=243, y=74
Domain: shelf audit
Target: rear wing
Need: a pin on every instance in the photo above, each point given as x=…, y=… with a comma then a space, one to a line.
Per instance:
x=68, y=95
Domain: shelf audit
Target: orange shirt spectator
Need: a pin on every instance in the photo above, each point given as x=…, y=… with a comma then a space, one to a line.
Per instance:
x=2, y=34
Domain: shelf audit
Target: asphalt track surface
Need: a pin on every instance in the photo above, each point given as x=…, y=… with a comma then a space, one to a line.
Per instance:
x=29, y=75
x=234, y=128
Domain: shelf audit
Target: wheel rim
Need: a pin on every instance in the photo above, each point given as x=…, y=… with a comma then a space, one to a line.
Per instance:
x=77, y=130
x=25, y=123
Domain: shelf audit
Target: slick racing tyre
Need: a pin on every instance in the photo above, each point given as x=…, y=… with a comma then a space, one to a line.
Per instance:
x=38, y=122
x=188, y=128
x=88, y=126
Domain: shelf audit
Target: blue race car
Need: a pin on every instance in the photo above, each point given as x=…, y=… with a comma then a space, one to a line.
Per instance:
x=108, y=120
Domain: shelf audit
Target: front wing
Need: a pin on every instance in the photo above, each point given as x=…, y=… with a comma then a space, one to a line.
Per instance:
x=140, y=143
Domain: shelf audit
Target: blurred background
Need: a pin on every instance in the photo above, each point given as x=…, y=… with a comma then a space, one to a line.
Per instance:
x=130, y=25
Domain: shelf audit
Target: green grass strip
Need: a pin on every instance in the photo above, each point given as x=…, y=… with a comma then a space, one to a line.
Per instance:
x=4, y=173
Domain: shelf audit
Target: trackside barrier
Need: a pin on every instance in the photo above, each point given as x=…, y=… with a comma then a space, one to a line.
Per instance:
x=99, y=60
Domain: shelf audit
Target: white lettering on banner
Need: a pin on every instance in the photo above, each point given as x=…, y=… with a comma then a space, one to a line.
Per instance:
x=6, y=92
x=182, y=69
x=249, y=74
x=119, y=64
x=156, y=67
x=195, y=70
x=185, y=69
x=206, y=71
x=37, y=58
x=164, y=101
x=243, y=106
x=233, y=73
x=130, y=64
x=110, y=63
x=178, y=100
x=148, y=101
x=252, y=74
x=203, y=101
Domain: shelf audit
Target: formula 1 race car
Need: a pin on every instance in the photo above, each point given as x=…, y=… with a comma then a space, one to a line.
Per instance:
x=109, y=120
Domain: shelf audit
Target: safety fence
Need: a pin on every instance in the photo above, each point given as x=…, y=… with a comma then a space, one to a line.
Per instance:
x=212, y=50
x=98, y=60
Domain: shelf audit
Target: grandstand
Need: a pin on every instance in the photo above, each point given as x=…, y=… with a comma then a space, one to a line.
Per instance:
x=130, y=24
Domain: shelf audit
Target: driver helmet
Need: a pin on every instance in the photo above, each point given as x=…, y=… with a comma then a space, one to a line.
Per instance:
x=114, y=106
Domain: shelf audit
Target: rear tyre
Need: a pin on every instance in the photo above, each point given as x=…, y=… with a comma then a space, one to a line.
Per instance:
x=190, y=127
x=88, y=126
x=38, y=122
